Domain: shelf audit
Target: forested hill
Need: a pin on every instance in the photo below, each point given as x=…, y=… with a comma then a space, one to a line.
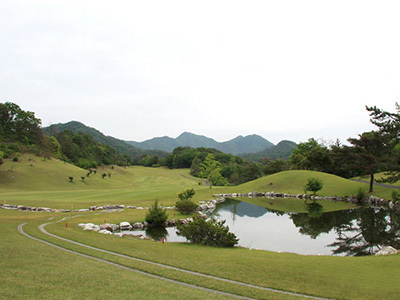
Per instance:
x=119, y=145
x=248, y=144
x=280, y=151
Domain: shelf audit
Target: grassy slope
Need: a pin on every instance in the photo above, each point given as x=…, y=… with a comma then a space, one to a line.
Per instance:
x=28, y=274
x=338, y=277
x=46, y=184
x=333, y=277
x=35, y=182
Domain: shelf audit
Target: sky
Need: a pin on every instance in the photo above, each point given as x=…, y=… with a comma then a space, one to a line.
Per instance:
x=285, y=70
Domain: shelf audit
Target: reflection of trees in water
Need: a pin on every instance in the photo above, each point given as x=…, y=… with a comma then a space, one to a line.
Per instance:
x=360, y=231
x=317, y=222
x=372, y=229
x=156, y=233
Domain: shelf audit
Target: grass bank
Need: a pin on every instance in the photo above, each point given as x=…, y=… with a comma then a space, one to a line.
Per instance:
x=324, y=276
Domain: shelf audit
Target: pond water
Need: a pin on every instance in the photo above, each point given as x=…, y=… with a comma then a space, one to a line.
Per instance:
x=353, y=232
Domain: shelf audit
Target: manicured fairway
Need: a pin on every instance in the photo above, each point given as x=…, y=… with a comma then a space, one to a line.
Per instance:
x=32, y=270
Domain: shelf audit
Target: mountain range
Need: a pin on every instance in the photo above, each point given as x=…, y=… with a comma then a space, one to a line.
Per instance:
x=162, y=145
x=241, y=144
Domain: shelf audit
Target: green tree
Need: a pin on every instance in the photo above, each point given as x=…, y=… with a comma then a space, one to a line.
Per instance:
x=156, y=215
x=369, y=153
x=186, y=195
x=311, y=156
x=389, y=129
x=275, y=166
x=211, y=169
x=19, y=125
x=313, y=185
x=185, y=205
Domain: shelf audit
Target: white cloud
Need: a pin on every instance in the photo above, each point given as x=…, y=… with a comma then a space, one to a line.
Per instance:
x=139, y=69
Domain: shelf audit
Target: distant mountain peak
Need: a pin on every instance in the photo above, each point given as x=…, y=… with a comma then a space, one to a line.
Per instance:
x=240, y=144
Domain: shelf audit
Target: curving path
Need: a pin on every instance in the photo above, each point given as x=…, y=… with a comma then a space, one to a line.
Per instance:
x=41, y=228
x=378, y=184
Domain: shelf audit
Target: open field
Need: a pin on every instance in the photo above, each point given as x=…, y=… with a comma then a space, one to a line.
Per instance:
x=29, y=274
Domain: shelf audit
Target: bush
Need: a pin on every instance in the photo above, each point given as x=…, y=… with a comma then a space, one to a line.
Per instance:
x=185, y=205
x=360, y=195
x=208, y=233
x=156, y=216
x=395, y=196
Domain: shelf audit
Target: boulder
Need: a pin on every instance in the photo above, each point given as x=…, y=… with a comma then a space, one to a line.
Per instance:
x=138, y=225
x=106, y=226
x=104, y=231
x=172, y=222
x=387, y=251
x=114, y=227
x=88, y=226
x=125, y=226
x=96, y=228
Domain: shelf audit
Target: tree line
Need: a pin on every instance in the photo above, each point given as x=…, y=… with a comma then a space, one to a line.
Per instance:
x=20, y=132
x=369, y=153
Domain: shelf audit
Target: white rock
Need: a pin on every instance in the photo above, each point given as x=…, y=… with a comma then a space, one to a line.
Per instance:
x=387, y=251
x=96, y=228
x=125, y=226
x=104, y=231
x=89, y=226
x=138, y=225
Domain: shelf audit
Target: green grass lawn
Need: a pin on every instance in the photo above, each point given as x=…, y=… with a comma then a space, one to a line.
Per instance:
x=324, y=276
x=32, y=270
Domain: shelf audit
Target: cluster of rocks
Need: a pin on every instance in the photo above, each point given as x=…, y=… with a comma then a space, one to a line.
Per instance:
x=210, y=205
x=114, y=206
x=29, y=208
x=106, y=207
x=116, y=229
x=258, y=194
x=371, y=200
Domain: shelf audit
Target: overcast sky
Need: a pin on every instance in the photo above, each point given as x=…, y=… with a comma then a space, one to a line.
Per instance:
x=140, y=69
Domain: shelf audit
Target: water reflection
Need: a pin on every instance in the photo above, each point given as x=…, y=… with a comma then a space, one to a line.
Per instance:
x=352, y=232
x=157, y=233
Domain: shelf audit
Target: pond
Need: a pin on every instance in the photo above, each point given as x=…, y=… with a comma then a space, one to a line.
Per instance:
x=352, y=232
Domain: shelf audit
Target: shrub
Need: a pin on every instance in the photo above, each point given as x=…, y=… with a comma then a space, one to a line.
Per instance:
x=156, y=216
x=208, y=233
x=360, y=195
x=395, y=196
x=70, y=178
x=313, y=185
x=185, y=205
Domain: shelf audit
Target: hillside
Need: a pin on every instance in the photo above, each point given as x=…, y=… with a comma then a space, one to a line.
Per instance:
x=37, y=182
x=293, y=182
x=240, y=144
x=280, y=151
x=120, y=145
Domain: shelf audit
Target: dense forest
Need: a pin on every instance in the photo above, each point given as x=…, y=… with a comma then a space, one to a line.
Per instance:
x=371, y=152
